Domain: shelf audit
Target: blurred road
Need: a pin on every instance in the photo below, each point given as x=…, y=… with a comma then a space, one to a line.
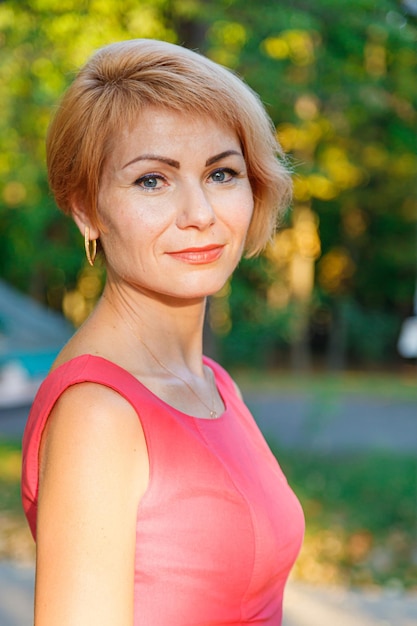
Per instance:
x=336, y=424
x=327, y=424
x=12, y=422
x=292, y=422
x=16, y=594
x=316, y=606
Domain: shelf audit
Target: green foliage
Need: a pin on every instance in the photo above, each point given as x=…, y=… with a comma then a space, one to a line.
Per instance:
x=42, y=43
x=338, y=79
x=372, y=334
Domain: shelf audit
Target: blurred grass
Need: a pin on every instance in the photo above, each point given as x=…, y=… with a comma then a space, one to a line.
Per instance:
x=10, y=462
x=396, y=386
x=361, y=516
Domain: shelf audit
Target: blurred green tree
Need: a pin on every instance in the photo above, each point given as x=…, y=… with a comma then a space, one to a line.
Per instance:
x=42, y=43
x=339, y=82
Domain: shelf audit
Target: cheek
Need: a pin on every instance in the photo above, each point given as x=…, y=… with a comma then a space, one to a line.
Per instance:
x=246, y=210
x=129, y=219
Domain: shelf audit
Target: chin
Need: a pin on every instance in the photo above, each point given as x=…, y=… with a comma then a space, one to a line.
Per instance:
x=191, y=296
x=205, y=289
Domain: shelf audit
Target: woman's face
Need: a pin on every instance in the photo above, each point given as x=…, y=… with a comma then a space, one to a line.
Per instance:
x=176, y=204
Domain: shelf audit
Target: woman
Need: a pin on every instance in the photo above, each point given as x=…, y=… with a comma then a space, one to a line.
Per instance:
x=152, y=495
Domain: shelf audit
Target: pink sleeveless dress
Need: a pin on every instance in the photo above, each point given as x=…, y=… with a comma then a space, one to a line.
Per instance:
x=218, y=528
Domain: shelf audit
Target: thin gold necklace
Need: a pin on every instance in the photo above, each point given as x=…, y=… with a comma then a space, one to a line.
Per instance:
x=212, y=412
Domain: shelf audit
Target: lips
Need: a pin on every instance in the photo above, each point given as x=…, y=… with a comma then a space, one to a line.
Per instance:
x=198, y=255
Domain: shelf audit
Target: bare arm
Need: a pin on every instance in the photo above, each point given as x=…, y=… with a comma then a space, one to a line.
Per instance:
x=93, y=473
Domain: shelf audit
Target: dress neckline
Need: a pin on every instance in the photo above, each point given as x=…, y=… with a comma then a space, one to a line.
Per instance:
x=125, y=373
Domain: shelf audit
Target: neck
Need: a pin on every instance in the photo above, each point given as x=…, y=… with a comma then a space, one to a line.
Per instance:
x=170, y=328
x=158, y=342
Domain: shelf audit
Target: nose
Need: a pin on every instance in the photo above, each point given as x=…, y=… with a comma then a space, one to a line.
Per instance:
x=196, y=209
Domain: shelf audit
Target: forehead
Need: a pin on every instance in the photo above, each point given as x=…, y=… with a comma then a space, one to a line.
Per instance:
x=158, y=128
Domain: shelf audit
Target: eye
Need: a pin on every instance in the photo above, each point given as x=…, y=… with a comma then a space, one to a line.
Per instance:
x=149, y=182
x=223, y=175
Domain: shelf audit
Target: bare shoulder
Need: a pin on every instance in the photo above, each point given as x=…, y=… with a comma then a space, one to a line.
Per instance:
x=92, y=419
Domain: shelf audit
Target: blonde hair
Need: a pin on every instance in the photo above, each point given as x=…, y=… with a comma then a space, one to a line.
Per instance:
x=119, y=80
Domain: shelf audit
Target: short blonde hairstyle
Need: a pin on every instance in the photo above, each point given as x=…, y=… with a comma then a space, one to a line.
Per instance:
x=119, y=80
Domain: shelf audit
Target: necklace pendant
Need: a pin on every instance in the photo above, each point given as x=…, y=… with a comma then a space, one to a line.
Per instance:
x=213, y=415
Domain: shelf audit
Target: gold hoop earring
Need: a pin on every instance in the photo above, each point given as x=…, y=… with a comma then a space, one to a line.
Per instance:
x=91, y=255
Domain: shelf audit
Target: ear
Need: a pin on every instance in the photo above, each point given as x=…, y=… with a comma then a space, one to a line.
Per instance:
x=82, y=219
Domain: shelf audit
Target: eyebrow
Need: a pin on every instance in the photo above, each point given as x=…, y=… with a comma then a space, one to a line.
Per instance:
x=176, y=164
x=154, y=157
x=223, y=155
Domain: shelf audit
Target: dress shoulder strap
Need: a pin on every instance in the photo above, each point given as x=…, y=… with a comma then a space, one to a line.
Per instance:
x=223, y=379
x=84, y=368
